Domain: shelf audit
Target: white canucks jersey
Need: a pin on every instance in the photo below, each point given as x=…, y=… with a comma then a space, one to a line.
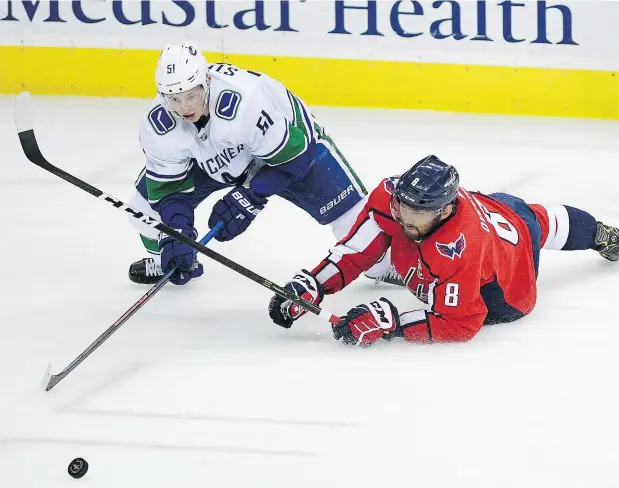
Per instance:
x=251, y=117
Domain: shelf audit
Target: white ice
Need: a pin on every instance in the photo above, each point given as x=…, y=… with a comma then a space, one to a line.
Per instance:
x=200, y=389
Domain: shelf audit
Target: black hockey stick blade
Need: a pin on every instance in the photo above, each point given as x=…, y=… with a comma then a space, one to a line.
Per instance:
x=24, y=122
x=50, y=380
x=25, y=129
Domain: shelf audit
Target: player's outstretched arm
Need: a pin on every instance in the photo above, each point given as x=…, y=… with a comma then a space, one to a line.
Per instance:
x=365, y=244
x=380, y=319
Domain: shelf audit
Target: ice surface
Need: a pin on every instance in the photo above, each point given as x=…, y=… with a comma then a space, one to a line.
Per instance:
x=201, y=389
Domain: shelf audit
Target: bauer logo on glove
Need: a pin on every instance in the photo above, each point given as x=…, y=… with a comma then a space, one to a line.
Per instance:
x=246, y=204
x=236, y=210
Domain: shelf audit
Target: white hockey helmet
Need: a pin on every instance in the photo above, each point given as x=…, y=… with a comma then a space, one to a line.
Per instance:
x=181, y=70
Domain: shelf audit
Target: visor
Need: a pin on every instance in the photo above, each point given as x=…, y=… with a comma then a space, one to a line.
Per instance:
x=187, y=102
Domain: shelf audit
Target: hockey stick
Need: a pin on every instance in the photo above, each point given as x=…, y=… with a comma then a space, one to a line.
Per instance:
x=24, y=124
x=50, y=380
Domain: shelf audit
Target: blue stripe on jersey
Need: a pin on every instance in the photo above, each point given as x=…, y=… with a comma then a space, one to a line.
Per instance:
x=179, y=176
x=279, y=146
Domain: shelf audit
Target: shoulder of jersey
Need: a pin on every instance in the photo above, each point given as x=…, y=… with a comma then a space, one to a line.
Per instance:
x=161, y=134
x=158, y=119
x=380, y=197
x=461, y=239
x=230, y=92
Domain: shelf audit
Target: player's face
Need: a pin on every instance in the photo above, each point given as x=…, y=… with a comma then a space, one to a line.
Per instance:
x=416, y=224
x=188, y=104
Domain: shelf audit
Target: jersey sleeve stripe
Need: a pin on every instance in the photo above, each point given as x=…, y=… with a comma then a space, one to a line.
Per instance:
x=365, y=234
x=151, y=175
x=416, y=319
x=295, y=145
x=305, y=118
x=292, y=105
x=328, y=271
x=382, y=214
x=279, y=146
x=140, y=176
x=300, y=136
x=151, y=245
x=157, y=190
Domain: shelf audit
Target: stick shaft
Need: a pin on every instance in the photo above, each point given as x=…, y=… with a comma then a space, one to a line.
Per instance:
x=57, y=378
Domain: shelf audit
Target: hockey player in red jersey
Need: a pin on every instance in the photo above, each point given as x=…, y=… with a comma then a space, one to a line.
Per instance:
x=471, y=258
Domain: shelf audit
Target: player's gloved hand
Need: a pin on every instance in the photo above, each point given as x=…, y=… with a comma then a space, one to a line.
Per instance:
x=237, y=210
x=175, y=253
x=366, y=323
x=303, y=284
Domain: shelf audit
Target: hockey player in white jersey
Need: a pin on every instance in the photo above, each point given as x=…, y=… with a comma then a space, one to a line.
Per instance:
x=215, y=127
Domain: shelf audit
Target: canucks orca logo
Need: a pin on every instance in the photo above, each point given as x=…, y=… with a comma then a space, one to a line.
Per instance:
x=390, y=184
x=192, y=50
x=452, y=249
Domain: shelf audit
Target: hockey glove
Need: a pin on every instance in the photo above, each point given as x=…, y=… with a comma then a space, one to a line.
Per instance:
x=284, y=312
x=367, y=323
x=237, y=210
x=175, y=253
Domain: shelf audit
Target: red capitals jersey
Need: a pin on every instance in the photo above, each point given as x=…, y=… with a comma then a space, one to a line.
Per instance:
x=476, y=268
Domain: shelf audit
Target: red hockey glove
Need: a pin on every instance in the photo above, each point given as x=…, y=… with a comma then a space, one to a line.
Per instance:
x=367, y=323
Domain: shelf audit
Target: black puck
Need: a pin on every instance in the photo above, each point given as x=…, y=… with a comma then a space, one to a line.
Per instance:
x=78, y=468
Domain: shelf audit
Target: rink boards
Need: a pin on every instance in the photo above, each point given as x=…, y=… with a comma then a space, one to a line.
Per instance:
x=530, y=58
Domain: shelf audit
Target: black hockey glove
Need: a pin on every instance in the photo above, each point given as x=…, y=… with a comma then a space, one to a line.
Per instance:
x=284, y=312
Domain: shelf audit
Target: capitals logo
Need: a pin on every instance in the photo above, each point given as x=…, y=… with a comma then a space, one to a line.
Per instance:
x=452, y=249
x=390, y=184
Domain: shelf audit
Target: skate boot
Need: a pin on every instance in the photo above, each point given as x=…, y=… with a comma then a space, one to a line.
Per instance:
x=607, y=241
x=391, y=277
x=146, y=271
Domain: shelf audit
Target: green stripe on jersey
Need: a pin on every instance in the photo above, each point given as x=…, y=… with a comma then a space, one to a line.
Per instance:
x=157, y=190
x=151, y=245
x=299, y=120
x=298, y=139
x=297, y=143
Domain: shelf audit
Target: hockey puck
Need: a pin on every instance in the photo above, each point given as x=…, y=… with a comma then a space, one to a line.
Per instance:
x=78, y=468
